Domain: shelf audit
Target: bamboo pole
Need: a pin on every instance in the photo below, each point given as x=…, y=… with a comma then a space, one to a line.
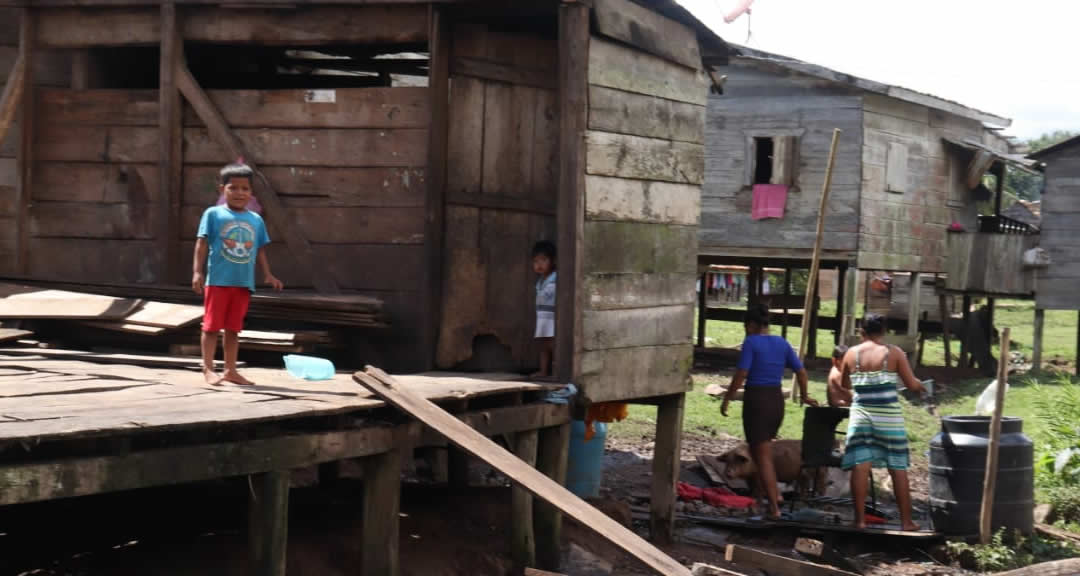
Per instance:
x=990, y=479
x=815, y=264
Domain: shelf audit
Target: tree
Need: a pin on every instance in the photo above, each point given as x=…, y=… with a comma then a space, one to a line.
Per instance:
x=1025, y=185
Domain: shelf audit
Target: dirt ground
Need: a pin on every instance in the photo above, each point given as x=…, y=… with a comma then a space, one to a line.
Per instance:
x=199, y=530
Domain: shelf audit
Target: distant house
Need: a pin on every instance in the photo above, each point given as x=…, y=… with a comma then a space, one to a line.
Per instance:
x=908, y=166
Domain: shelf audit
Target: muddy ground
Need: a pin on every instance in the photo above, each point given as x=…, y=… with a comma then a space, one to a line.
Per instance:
x=199, y=530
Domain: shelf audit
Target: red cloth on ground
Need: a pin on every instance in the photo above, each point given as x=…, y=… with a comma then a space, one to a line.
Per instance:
x=871, y=519
x=769, y=201
x=724, y=498
x=688, y=491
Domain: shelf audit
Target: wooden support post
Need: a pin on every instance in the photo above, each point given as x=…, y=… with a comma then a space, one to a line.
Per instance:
x=990, y=478
x=669, y=421
x=990, y=305
x=841, y=294
x=278, y=216
x=921, y=343
x=457, y=467
x=850, y=296
x=268, y=522
x=811, y=344
x=522, y=537
x=787, y=292
x=703, y=311
x=965, y=348
x=570, y=218
x=1037, y=344
x=551, y=459
x=80, y=69
x=438, y=144
x=170, y=149
x=382, y=502
x=946, y=319
x=1077, y=361
x=16, y=84
x=815, y=263
x=914, y=305
x=752, y=293
x=23, y=93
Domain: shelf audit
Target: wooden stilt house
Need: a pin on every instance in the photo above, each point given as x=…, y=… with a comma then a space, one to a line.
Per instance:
x=908, y=167
x=411, y=151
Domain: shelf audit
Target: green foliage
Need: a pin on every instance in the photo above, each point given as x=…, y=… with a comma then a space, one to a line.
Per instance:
x=1065, y=502
x=1059, y=453
x=1028, y=186
x=1008, y=552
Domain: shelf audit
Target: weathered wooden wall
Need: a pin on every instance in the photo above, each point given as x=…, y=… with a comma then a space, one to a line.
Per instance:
x=50, y=68
x=502, y=176
x=990, y=263
x=904, y=216
x=1060, y=232
x=767, y=103
x=644, y=170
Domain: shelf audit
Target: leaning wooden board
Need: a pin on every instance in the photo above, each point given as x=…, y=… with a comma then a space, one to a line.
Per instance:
x=520, y=473
x=56, y=304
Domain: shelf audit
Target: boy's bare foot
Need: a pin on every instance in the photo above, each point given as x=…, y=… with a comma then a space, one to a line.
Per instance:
x=234, y=377
x=911, y=527
x=859, y=525
x=211, y=377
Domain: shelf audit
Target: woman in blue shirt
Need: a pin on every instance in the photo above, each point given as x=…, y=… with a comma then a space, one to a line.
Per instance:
x=761, y=367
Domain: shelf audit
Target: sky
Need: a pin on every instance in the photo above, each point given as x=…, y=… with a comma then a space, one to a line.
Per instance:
x=1014, y=59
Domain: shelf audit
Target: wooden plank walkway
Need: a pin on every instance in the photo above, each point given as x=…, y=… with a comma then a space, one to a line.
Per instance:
x=42, y=398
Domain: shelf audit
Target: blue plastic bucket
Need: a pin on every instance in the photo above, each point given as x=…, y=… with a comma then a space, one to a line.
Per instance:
x=585, y=468
x=309, y=367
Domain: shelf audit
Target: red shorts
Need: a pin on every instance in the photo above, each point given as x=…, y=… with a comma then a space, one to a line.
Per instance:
x=225, y=308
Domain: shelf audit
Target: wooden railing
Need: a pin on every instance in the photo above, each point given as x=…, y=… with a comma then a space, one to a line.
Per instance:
x=1003, y=225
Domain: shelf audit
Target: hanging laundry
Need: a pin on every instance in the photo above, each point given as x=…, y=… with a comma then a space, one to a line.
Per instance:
x=769, y=201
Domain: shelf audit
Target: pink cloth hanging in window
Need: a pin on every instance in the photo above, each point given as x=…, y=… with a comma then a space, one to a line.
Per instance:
x=769, y=201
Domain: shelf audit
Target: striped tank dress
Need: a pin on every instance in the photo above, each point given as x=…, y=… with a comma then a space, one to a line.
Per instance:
x=876, y=430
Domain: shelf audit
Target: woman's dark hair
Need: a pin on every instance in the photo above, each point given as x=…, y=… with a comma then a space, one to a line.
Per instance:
x=757, y=314
x=873, y=324
x=839, y=351
x=545, y=248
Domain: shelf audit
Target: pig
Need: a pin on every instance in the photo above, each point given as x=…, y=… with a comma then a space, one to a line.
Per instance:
x=787, y=461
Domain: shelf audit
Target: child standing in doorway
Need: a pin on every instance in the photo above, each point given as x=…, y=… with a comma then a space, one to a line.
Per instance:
x=229, y=244
x=543, y=260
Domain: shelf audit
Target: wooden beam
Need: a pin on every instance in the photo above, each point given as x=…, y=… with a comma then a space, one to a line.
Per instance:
x=703, y=308
x=980, y=163
x=517, y=471
x=170, y=149
x=278, y=216
x=289, y=26
x=551, y=459
x=815, y=263
x=522, y=535
x=268, y=522
x=1037, y=344
x=68, y=478
x=994, y=448
x=648, y=31
x=787, y=293
x=841, y=301
x=914, y=304
x=25, y=161
x=435, y=212
x=665, y=473
x=755, y=559
x=946, y=317
x=847, y=327
x=966, y=337
x=570, y=222
x=381, y=523
x=508, y=73
x=505, y=420
x=12, y=95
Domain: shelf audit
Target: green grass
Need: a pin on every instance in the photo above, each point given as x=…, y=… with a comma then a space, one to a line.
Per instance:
x=703, y=418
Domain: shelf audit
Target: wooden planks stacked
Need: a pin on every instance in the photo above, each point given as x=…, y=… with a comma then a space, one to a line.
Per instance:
x=502, y=170
x=644, y=170
x=57, y=304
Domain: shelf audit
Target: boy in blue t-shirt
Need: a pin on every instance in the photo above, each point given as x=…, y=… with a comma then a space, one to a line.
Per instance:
x=229, y=245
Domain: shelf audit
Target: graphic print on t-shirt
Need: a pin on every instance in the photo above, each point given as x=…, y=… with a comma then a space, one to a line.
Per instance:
x=238, y=240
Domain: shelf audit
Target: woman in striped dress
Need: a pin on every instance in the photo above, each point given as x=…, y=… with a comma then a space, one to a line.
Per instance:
x=876, y=434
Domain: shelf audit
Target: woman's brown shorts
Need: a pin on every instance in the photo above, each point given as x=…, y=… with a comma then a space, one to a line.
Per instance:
x=762, y=413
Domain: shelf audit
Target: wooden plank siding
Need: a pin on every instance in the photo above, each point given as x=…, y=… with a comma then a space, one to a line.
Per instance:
x=354, y=187
x=645, y=164
x=9, y=42
x=1060, y=232
x=502, y=177
x=757, y=106
x=906, y=214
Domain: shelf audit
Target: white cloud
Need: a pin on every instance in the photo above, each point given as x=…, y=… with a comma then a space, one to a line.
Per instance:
x=1011, y=59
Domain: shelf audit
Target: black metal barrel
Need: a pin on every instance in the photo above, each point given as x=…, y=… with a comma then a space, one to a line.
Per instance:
x=958, y=468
